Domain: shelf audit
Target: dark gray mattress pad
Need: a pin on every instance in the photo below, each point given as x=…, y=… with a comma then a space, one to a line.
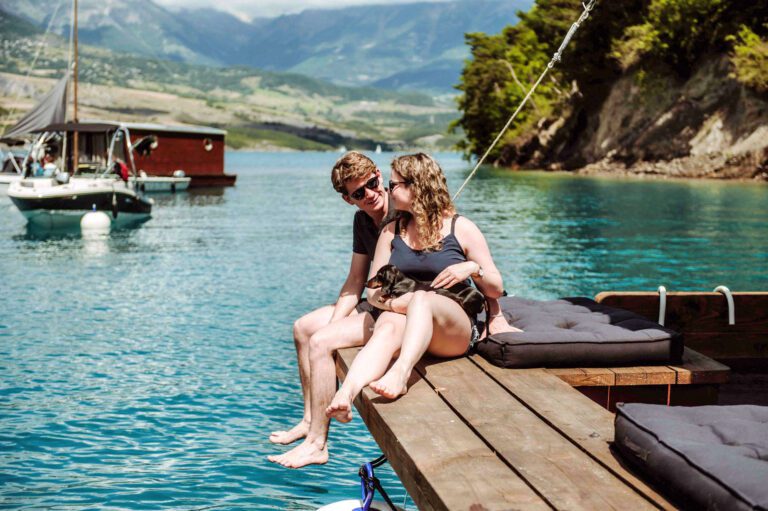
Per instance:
x=573, y=332
x=704, y=457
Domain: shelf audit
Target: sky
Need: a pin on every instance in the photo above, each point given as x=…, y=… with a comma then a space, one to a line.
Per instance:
x=249, y=9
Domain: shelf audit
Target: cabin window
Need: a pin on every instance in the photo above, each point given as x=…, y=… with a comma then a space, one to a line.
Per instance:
x=208, y=144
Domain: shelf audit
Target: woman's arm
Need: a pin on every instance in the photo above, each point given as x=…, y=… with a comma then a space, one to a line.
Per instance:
x=478, y=257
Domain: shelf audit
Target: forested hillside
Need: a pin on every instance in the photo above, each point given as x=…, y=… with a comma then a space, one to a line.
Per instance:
x=672, y=87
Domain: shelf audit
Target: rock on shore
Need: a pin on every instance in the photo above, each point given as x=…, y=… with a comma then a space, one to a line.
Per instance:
x=656, y=123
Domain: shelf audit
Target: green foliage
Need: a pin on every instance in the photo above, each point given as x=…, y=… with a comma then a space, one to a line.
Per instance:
x=618, y=35
x=675, y=31
x=490, y=91
x=750, y=59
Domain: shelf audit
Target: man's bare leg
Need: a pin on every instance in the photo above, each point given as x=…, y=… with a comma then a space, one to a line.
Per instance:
x=352, y=331
x=369, y=364
x=303, y=329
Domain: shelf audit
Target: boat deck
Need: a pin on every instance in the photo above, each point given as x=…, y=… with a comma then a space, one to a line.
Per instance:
x=470, y=435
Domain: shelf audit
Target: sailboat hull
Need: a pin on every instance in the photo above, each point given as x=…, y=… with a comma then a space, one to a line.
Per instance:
x=46, y=204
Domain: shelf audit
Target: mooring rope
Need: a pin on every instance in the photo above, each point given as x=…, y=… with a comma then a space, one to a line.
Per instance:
x=555, y=58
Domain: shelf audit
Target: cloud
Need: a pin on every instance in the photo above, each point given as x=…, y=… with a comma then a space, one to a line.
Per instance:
x=249, y=9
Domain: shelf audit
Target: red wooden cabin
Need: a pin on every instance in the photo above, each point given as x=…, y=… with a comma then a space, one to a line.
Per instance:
x=197, y=150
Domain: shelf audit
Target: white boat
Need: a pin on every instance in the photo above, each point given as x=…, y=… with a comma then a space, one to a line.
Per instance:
x=176, y=183
x=51, y=196
x=6, y=178
x=59, y=202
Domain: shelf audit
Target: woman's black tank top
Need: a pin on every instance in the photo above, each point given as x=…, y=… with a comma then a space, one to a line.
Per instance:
x=426, y=265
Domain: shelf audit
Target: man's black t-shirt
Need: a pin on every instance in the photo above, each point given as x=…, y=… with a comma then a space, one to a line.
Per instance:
x=365, y=232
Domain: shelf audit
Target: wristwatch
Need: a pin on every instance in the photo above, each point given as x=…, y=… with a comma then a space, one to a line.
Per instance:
x=479, y=272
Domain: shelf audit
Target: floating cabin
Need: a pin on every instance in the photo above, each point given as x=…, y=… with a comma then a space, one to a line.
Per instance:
x=470, y=435
x=197, y=150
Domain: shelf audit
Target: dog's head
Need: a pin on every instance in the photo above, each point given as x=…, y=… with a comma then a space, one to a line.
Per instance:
x=387, y=276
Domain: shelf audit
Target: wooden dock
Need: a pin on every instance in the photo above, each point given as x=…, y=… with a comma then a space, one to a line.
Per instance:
x=470, y=435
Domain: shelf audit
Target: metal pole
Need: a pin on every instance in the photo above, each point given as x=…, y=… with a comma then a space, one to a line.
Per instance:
x=76, y=145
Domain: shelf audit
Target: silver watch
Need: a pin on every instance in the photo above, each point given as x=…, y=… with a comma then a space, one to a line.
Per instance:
x=480, y=272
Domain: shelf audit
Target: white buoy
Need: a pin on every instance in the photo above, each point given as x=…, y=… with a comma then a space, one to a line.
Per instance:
x=95, y=221
x=352, y=504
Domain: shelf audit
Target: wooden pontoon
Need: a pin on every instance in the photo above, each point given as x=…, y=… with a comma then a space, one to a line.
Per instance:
x=470, y=435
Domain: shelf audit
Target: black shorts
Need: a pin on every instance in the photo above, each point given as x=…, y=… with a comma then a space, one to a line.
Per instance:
x=364, y=306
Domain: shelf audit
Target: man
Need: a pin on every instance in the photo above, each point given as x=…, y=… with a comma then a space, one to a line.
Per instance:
x=345, y=324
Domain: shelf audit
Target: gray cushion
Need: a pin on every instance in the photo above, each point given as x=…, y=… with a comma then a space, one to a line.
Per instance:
x=703, y=457
x=578, y=332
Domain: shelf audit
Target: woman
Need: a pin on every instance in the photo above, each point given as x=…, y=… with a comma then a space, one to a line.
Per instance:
x=429, y=243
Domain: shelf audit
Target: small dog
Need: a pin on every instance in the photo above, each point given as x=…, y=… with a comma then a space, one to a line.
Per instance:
x=394, y=283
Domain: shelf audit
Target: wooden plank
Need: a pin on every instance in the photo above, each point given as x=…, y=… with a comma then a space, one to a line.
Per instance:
x=729, y=345
x=585, y=377
x=583, y=421
x=558, y=469
x=442, y=463
x=697, y=312
x=645, y=375
x=696, y=368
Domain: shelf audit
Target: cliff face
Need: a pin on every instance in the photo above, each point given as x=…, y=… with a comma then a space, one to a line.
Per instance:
x=708, y=125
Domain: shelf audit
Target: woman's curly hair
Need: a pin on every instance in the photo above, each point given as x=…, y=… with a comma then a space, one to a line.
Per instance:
x=431, y=200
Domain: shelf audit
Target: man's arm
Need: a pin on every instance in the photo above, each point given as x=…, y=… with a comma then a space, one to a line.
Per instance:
x=353, y=286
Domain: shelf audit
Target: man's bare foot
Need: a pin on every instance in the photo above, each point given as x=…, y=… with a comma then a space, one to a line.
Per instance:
x=393, y=384
x=288, y=437
x=340, y=408
x=499, y=325
x=306, y=453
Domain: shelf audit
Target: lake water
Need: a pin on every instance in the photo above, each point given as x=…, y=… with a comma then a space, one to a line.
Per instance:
x=145, y=370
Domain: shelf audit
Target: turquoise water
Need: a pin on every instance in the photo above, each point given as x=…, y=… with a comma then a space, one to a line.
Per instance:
x=145, y=370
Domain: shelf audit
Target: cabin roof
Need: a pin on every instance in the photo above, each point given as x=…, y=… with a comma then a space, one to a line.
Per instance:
x=94, y=126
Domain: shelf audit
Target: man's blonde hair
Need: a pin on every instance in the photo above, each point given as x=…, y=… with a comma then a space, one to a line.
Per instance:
x=353, y=165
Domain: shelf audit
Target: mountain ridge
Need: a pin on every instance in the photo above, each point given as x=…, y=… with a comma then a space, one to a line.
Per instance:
x=382, y=45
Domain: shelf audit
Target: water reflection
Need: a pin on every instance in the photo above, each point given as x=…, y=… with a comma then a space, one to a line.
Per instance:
x=212, y=196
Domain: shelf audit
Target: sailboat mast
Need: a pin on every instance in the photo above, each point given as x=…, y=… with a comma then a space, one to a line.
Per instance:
x=75, y=155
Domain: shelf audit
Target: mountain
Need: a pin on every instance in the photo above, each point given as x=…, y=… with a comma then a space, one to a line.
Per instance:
x=404, y=46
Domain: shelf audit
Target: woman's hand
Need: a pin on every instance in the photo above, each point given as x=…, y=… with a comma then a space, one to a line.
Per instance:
x=455, y=274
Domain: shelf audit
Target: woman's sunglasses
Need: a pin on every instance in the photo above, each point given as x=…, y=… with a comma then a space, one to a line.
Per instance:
x=360, y=192
x=393, y=184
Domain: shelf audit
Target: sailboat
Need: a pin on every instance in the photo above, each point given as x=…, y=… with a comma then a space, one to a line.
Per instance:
x=73, y=168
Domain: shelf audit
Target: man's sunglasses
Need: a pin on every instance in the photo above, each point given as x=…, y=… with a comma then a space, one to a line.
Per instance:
x=360, y=192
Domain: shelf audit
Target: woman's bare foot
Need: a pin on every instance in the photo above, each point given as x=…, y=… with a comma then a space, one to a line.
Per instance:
x=340, y=408
x=499, y=325
x=306, y=453
x=300, y=430
x=393, y=384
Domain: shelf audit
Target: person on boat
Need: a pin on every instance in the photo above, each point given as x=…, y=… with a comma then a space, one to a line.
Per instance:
x=347, y=323
x=429, y=242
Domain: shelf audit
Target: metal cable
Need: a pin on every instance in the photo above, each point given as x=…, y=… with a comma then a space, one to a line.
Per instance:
x=555, y=58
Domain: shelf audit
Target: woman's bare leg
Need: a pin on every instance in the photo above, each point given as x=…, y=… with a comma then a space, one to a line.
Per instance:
x=434, y=323
x=348, y=332
x=369, y=364
x=303, y=329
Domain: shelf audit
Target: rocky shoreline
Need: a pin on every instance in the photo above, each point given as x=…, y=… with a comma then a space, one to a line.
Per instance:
x=750, y=166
